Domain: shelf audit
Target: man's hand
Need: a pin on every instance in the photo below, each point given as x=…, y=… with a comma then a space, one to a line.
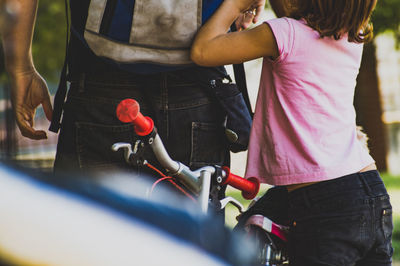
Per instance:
x=29, y=90
x=250, y=13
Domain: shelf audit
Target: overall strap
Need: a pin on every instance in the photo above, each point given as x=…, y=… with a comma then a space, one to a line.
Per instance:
x=240, y=78
x=59, y=97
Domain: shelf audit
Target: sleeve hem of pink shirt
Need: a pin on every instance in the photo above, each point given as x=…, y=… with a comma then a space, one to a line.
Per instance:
x=282, y=56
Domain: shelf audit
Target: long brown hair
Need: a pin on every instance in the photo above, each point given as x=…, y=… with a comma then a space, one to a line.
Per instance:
x=335, y=18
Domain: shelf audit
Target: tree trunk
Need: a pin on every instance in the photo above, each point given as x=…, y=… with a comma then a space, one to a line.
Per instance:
x=367, y=102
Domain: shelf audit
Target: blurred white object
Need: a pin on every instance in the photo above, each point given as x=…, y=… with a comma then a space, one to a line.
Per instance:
x=43, y=225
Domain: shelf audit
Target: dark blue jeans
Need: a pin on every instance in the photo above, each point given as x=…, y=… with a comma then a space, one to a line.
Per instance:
x=188, y=120
x=342, y=222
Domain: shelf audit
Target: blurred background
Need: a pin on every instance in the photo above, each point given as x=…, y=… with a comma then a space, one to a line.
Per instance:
x=377, y=100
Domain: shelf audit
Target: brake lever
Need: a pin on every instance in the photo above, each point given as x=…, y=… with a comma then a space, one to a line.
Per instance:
x=127, y=147
x=133, y=157
x=234, y=202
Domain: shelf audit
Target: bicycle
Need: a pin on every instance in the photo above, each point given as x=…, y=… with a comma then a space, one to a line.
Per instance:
x=204, y=183
x=266, y=226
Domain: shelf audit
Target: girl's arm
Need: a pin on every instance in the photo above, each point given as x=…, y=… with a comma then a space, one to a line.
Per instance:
x=213, y=46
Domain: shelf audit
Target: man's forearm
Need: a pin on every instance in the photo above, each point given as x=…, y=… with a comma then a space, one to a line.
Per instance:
x=17, y=38
x=279, y=7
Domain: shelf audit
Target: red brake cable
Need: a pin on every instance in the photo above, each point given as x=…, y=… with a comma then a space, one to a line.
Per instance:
x=170, y=179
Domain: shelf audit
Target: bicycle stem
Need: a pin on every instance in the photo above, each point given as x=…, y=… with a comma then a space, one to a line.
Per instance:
x=199, y=182
x=188, y=177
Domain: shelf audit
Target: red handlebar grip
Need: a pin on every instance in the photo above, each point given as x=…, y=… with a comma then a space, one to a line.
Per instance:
x=128, y=111
x=249, y=187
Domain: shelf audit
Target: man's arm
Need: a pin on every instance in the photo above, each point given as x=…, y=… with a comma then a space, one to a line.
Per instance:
x=28, y=88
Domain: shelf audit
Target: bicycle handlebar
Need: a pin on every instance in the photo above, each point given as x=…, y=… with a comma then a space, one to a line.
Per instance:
x=128, y=111
x=249, y=187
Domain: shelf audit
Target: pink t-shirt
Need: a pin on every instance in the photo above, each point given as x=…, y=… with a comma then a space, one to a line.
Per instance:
x=304, y=127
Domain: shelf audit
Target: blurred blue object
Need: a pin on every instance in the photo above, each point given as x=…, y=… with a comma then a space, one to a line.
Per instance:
x=107, y=221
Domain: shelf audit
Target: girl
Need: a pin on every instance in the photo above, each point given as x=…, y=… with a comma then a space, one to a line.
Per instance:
x=304, y=134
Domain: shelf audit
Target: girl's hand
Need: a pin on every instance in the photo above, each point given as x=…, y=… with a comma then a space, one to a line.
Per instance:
x=251, y=10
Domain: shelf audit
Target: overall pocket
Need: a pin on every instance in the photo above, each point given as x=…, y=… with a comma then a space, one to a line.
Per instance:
x=387, y=223
x=208, y=145
x=94, y=141
x=384, y=248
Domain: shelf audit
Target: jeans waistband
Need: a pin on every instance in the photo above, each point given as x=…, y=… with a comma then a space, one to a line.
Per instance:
x=369, y=182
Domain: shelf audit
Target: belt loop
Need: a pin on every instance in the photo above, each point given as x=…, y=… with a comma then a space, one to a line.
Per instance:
x=81, y=82
x=365, y=184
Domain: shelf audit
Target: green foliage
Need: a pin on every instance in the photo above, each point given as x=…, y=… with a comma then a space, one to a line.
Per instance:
x=391, y=181
x=387, y=17
x=48, y=47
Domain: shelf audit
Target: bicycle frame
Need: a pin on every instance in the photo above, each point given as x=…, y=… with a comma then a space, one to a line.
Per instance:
x=198, y=181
